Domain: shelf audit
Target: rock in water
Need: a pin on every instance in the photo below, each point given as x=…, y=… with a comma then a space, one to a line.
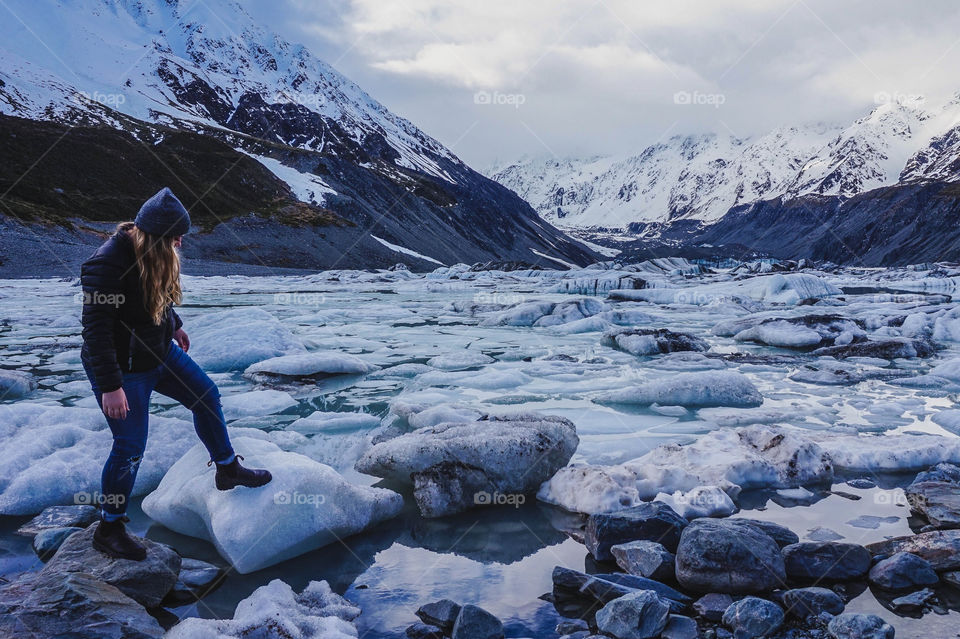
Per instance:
x=60, y=517
x=604, y=588
x=810, y=602
x=698, y=390
x=196, y=579
x=857, y=626
x=441, y=614
x=680, y=627
x=638, y=615
x=420, y=630
x=474, y=622
x=780, y=534
x=458, y=465
x=935, y=494
x=882, y=349
x=306, y=506
x=645, y=558
x=47, y=541
x=651, y=521
x=729, y=556
x=940, y=548
x=826, y=560
x=903, y=571
x=753, y=617
x=914, y=602
x=652, y=341
x=146, y=582
x=274, y=610
x=74, y=604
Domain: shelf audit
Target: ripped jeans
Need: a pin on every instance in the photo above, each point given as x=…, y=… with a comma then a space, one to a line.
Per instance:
x=180, y=378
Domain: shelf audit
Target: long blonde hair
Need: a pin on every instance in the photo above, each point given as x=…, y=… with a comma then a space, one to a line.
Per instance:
x=159, y=264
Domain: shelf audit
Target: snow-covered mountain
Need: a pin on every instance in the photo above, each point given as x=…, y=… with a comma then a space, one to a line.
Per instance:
x=700, y=178
x=146, y=67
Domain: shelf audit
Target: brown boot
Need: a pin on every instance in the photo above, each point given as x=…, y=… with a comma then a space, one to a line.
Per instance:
x=233, y=474
x=112, y=538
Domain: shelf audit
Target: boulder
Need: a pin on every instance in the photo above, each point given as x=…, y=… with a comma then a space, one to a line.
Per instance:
x=730, y=556
x=604, y=588
x=680, y=627
x=712, y=606
x=646, y=559
x=893, y=348
x=826, y=560
x=780, y=534
x=275, y=610
x=48, y=541
x=473, y=622
x=753, y=617
x=652, y=341
x=420, y=630
x=940, y=548
x=810, y=602
x=935, y=494
x=74, y=604
x=454, y=466
x=307, y=505
x=902, y=571
x=146, y=582
x=441, y=614
x=650, y=521
x=914, y=602
x=60, y=517
x=638, y=615
x=859, y=626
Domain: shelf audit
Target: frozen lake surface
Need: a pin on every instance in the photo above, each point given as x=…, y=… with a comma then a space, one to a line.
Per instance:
x=559, y=343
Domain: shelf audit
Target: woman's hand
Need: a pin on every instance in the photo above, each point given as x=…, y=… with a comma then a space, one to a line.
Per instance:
x=115, y=404
x=182, y=340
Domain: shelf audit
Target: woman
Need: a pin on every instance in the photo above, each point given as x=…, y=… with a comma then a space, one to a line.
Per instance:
x=134, y=344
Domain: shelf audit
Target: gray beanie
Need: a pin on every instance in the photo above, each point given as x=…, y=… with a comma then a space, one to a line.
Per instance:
x=163, y=215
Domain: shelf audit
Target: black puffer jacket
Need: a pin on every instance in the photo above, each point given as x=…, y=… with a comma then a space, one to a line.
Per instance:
x=118, y=333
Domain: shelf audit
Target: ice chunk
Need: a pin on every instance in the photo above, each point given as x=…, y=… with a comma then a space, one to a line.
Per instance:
x=309, y=365
x=306, y=506
x=274, y=611
x=256, y=403
x=333, y=422
x=702, y=501
x=14, y=384
x=700, y=389
x=782, y=288
x=460, y=361
x=235, y=339
x=54, y=455
x=780, y=333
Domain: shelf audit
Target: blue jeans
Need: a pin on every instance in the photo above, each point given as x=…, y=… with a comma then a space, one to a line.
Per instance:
x=180, y=378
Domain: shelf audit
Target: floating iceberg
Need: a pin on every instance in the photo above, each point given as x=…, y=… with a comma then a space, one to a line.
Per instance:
x=309, y=365
x=699, y=389
x=235, y=339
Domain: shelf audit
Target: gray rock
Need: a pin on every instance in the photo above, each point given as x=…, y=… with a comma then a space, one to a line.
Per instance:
x=441, y=613
x=894, y=348
x=72, y=605
x=823, y=534
x=474, y=622
x=47, y=541
x=914, y=602
x=862, y=482
x=652, y=341
x=941, y=548
x=712, y=606
x=780, y=534
x=858, y=626
x=60, y=517
x=649, y=521
x=810, y=602
x=604, y=588
x=146, y=582
x=646, y=559
x=952, y=578
x=642, y=583
x=902, y=571
x=727, y=555
x=639, y=615
x=196, y=579
x=452, y=465
x=753, y=617
x=935, y=494
x=826, y=560
x=570, y=626
x=680, y=627
x=420, y=630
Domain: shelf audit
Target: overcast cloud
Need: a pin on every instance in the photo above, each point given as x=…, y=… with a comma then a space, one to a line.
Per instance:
x=497, y=79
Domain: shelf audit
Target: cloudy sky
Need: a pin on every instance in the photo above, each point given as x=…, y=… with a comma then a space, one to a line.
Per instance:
x=497, y=79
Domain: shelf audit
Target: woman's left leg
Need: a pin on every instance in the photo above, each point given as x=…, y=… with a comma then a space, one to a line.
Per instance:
x=182, y=379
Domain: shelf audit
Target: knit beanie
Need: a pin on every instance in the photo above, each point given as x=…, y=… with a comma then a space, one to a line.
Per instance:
x=163, y=215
